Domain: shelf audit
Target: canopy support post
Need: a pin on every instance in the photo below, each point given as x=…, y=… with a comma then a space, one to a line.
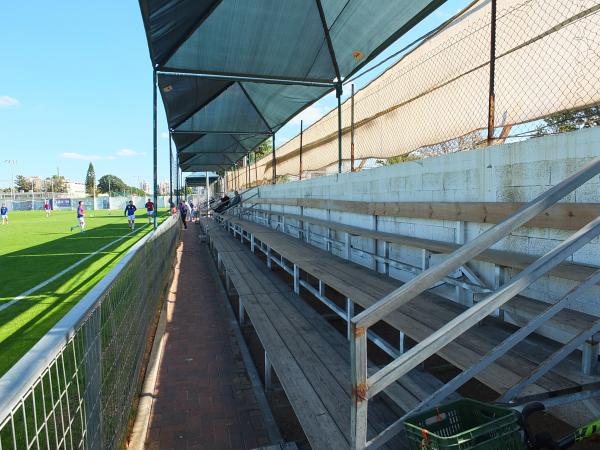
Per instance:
x=274, y=161
x=492, y=95
x=155, y=146
x=177, y=181
x=247, y=171
x=338, y=94
x=255, y=168
x=207, y=194
x=352, y=129
x=170, y=170
x=300, y=170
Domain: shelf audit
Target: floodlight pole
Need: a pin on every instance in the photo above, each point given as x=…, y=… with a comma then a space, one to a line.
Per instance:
x=274, y=160
x=338, y=94
x=155, y=147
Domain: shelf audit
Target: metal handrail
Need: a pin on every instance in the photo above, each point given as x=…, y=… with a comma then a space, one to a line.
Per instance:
x=364, y=387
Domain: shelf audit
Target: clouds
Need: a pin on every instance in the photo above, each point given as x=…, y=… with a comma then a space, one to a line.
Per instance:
x=164, y=135
x=123, y=153
x=7, y=101
x=81, y=156
x=310, y=115
x=127, y=153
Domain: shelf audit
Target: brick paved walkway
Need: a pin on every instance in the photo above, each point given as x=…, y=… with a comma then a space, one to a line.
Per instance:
x=204, y=399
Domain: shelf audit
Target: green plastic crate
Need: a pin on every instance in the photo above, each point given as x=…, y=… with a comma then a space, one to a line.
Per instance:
x=465, y=425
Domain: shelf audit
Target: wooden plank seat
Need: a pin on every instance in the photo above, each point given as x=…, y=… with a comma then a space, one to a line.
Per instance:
x=427, y=313
x=567, y=270
x=563, y=216
x=565, y=325
x=310, y=357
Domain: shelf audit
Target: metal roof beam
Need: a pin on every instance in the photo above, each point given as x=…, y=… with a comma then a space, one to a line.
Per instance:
x=251, y=78
x=255, y=107
x=200, y=107
x=191, y=160
x=328, y=39
x=209, y=153
x=265, y=133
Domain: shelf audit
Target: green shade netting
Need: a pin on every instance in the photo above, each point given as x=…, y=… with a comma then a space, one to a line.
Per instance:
x=283, y=39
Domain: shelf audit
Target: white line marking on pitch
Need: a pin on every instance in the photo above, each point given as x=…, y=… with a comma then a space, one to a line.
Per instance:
x=62, y=272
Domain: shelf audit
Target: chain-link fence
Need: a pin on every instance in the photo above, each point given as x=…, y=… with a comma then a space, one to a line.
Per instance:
x=521, y=69
x=74, y=389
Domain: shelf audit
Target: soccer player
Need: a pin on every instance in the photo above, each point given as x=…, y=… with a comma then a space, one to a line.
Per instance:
x=4, y=214
x=47, y=208
x=130, y=210
x=183, y=213
x=80, y=217
x=150, y=210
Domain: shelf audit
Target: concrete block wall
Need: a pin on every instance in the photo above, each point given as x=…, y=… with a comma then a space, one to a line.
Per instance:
x=515, y=172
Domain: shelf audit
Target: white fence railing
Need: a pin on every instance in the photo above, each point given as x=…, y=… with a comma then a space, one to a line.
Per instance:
x=27, y=202
x=75, y=387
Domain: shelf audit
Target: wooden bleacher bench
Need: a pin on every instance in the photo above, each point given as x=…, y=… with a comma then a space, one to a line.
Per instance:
x=428, y=312
x=564, y=326
x=567, y=270
x=310, y=357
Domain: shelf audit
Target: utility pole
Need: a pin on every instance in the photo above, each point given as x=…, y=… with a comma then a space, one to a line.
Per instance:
x=12, y=163
x=94, y=192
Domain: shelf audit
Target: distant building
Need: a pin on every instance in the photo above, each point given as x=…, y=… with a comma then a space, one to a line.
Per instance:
x=163, y=187
x=37, y=183
x=75, y=188
x=145, y=186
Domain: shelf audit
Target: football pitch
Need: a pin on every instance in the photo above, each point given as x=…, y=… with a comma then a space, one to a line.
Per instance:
x=45, y=269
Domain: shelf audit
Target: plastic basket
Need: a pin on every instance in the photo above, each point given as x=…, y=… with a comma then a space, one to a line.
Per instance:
x=464, y=425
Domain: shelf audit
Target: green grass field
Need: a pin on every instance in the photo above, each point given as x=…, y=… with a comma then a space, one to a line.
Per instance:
x=34, y=248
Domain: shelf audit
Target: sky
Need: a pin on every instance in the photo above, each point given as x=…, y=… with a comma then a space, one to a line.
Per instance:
x=76, y=86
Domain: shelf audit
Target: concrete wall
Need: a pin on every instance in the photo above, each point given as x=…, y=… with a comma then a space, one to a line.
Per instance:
x=505, y=173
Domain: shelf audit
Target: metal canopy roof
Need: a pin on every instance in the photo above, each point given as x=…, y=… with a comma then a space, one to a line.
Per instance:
x=232, y=67
x=200, y=179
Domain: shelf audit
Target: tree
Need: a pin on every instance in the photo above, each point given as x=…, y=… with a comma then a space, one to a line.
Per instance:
x=56, y=183
x=90, y=180
x=111, y=183
x=570, y=121
x=183, y=191
x=396, y=160
x=22, y=183
x=263, y=149
x=136, y=191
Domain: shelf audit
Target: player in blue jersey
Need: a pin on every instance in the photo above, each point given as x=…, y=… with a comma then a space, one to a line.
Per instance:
x=130, y=210
x=4, y=214
x=80, y=217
